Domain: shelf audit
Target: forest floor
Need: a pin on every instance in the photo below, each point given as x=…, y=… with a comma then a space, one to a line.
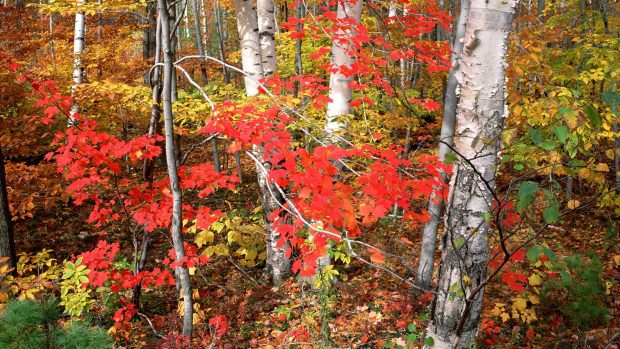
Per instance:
x=365, y=308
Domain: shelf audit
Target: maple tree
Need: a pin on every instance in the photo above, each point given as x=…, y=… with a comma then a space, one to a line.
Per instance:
x=120, y=121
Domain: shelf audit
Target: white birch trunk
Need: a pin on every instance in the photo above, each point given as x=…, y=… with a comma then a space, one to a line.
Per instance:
x=266, y=33
x=247, y=25
x=480, y=120
x=78, y=68
x=341, y=56
x=429, y=236
x=257, y=66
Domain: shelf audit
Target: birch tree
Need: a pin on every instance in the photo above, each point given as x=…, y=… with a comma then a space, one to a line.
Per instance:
x=78, y=49
x=341, y=56
x=429, y=235
x=181, y=271
x=258, y=58
x=455, y=310
x=266, y=33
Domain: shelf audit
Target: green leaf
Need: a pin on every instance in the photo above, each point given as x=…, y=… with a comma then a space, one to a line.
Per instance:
x=449, y=158
x=527, y=194
x=550, y=254
x=411, y=338
x=551, y=214
x=459, y=242
x=547, y=145
x=518, y=167
x=429, y=341
x=411, y=328
x=595, y=118
x=561, y=133
x=533, y=253
x=534, y=134
x=487, y=217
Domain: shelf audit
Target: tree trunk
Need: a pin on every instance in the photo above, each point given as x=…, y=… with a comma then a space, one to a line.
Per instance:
x=177, y=220
x=342, y=55
x=455, y=310
x=339, y=91
x=149, y=35
x=220, y=40
x=255, y=41
x=251, y=61
x=301, y=13
x=7, y=243
x=78, y=68
x=155, y=82
x=266, y=34
x=429, y=236
x=201, y=49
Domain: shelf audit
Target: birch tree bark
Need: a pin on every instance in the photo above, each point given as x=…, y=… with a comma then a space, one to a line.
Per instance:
x=341, y=56
x=455, y=310
x=78, y=68
x=257, y=35
x=266, y=34
x=429, y=235
x=7, y=243
x=251, y=60
x=181, y=271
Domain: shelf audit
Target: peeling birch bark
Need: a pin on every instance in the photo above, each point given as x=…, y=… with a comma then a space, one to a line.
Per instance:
x=266, y=34
x=258, y=59
x=78, y=68
x=480, y=120
x=429, y=235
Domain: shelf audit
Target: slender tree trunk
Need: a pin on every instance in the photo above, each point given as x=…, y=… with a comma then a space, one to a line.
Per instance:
x=177, y=220
x=149, y=35
x=301, y=13
x=7, y=242
x=429, y=236
x=201, y=49
x=155, y=81
x=342, y=55
x=455, y=310
x=540, y=8
x=220, y=39
x=78, y=68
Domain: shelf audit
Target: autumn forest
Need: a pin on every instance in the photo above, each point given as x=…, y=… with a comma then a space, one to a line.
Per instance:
x=309, y=174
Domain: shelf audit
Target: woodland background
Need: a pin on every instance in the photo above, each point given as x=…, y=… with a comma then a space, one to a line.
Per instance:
x=231, y=174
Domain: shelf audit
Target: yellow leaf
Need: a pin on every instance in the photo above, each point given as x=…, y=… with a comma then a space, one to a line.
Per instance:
x=505, y=317
x=610, y=154
x=534, y=280
x=617, y=259
x=533, y=299
x=519, y=304
x=572, y=204
x=584, y=173
x=602, y=167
